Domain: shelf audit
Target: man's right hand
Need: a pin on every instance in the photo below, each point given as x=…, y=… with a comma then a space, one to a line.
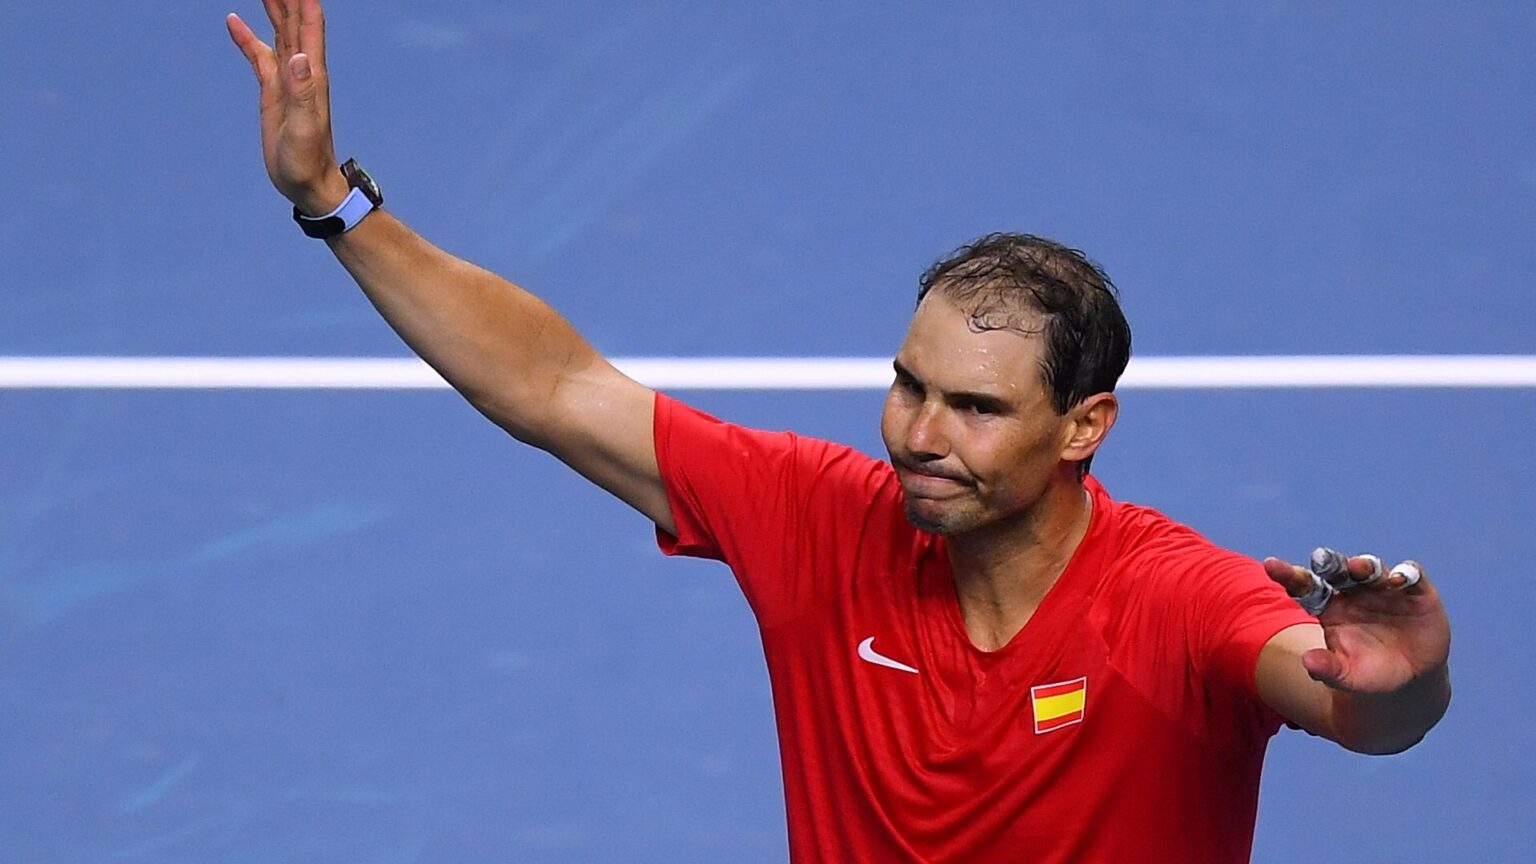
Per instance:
x=295, y=104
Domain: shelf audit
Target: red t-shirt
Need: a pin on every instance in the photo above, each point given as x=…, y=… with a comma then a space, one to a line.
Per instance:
x=1122, y=724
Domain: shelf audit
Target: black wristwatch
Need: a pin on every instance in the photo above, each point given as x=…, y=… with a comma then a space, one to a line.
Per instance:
x=364, y=198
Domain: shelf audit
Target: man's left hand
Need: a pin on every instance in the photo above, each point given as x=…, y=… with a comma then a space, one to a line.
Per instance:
x=1373, y=673
x=1381, y=635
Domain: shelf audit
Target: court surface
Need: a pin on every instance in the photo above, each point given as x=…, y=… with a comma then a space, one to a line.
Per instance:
x=298, y=625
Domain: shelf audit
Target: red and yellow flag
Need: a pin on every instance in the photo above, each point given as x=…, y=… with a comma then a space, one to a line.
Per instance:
x=1058, y=705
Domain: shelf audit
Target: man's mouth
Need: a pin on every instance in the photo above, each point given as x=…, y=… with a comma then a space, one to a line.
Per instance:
x=928, y=479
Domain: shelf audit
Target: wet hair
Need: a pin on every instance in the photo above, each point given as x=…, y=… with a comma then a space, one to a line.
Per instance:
x=1037, y=286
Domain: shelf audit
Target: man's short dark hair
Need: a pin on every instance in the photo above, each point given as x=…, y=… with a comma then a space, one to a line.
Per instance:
x=1040, y=287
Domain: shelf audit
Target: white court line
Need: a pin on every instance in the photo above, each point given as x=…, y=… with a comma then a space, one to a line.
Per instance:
x=755, y=373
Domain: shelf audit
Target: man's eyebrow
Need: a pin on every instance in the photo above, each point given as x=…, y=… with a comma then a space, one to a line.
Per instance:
x=989, y=401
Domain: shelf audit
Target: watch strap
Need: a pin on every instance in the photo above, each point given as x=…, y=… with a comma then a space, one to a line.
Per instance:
x=344, y=218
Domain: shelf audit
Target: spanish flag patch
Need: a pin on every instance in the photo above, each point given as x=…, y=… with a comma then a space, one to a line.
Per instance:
x=1058, y=705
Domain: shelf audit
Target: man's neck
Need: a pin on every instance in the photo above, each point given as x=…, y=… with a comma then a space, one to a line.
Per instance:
x=1003, y=572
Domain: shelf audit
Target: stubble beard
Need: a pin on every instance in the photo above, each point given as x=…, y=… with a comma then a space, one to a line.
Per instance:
x=966, y=516
x=942, y=522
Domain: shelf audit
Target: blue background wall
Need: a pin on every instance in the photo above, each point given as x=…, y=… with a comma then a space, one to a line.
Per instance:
x=295, y=626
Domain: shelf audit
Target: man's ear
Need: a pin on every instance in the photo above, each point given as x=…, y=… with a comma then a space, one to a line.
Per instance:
x=1089, y=423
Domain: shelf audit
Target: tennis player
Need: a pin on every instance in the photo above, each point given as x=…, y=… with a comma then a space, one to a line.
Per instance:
x=976, y=653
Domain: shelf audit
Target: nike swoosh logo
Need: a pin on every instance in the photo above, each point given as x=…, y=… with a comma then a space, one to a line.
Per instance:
x=867, y=652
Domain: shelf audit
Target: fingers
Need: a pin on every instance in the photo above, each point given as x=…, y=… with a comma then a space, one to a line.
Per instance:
x=301, y=79
x=312, y=32
x=297, y=57
x=1310, y=591
x=1331, y=565
x=1365, y=570
x=257, y=53
x=285, y=18
x=1324, y=667
x=298, y=28
x=1353, y=573
x=1408, y=576
x=1295, y=580
x=278, y=17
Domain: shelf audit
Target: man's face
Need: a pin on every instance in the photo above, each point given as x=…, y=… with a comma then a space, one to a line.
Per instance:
x=968, y=422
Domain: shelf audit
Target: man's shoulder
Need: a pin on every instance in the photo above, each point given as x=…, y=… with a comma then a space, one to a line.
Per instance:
x=1162, y=578
x=1153, y=545
x=687, y=436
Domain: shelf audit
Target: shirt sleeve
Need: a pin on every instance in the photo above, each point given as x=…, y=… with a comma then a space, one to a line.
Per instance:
x=1236, y=611
x=779, y=508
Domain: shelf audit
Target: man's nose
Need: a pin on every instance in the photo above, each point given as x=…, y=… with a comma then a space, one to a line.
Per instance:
x=925, y=437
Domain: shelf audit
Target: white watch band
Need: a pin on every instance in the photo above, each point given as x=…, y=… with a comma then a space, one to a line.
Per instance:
x=350, y=211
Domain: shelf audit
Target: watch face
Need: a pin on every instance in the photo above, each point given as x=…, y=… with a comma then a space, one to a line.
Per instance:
x=359, y=179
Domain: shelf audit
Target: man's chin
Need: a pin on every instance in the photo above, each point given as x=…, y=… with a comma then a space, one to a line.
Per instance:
x=927, y=519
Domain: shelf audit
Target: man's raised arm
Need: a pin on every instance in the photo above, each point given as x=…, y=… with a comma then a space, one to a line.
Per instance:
x=511, y=355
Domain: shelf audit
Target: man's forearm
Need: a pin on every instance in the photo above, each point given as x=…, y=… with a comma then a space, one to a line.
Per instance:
x=504, y=349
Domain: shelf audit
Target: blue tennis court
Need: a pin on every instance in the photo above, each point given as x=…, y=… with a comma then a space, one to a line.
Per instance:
x=300, y=625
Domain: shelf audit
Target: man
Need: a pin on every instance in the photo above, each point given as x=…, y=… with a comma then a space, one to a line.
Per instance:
x=976, y=654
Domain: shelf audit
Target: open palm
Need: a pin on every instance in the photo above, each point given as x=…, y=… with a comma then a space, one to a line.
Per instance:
x=1381, y=635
